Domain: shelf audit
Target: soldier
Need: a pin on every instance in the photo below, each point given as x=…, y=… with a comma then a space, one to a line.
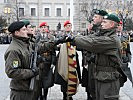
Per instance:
x=44, y=31
x=107, y=46
x=29, y=28
x=17, y=63
x=88, y=57
x=33, y=38
x=48, y=56
x=126, y=53
x=95, y=25
x=64, y=67
x=125, y=39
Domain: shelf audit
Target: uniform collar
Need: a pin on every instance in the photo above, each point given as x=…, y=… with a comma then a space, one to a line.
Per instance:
x=21, y=39
x=69, y=33
x=96, y=26
x=107, y=32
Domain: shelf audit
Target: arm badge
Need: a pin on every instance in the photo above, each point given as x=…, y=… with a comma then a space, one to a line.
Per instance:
x=15, y=63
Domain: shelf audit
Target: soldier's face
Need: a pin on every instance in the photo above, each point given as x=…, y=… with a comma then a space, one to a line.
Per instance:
x=107, y=24
x=29, y=29
x=120, y=28
x=22, y=32
x=97, y=19
x=68, y=27
x=44, y=29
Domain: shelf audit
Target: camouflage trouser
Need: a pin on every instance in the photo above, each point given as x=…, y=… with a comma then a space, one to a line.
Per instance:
x=107, y=90
x=21, y=95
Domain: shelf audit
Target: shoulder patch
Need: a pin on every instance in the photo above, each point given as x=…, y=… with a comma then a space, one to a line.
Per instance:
x=15, y=63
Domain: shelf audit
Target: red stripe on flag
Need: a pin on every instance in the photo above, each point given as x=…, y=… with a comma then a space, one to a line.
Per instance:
x=73, y=79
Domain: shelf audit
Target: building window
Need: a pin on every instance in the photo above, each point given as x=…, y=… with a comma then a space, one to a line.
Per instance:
x=6, y=1
x=33, y=12
x=46, y=11
x=58, y=12
x=7, y=10
x=68, y=11
x=83, y=25
x=21, y=12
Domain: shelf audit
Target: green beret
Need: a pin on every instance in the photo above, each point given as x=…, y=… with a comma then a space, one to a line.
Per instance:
x=27, y=22
x=100, y=12
x=15, y=26
x=112, y=17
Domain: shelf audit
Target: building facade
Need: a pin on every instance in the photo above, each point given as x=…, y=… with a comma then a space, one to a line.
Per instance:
x=51, y=11
x=37, y=11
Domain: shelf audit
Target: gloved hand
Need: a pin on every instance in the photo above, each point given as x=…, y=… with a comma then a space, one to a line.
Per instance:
x=70, y=38
x=35, y=70
x=39, y=59
x=62, y=39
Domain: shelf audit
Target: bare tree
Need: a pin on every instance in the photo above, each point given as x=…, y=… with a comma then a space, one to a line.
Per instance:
x=124, y=10
x=13, y=5
x=86, y=7
x=2, y=22
x=15, y=13
x=121, y=7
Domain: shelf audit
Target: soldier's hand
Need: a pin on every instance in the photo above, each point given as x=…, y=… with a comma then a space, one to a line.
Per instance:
x=70, y=38
x=90, y=27
x=62, y=39
x=35, y=70
x=39, y=59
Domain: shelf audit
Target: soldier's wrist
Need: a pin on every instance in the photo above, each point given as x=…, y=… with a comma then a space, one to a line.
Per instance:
x=35, y=71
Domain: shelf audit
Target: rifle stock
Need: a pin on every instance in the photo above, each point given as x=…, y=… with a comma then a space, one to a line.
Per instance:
x=32, y=82
x=33, y=64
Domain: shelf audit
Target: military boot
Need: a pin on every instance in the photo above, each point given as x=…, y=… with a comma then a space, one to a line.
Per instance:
x=45, y=94
x=64, y=96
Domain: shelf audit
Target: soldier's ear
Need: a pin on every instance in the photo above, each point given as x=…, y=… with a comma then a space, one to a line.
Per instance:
x=16, y=32
x=112, y=23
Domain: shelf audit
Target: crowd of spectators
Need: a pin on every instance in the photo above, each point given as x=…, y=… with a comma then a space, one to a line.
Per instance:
x=5, y=38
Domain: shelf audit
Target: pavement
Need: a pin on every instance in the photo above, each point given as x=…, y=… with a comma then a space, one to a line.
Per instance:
x=55, y=94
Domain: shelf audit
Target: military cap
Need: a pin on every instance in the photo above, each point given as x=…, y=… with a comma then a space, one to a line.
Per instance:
x=67, y=22
x=15, y=26
x=43, y=24
x=100, y=12
x=27, y=22
x=33, y=26
x=112, y=17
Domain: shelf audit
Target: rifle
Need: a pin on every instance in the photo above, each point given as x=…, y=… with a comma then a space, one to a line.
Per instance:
x=34, y=61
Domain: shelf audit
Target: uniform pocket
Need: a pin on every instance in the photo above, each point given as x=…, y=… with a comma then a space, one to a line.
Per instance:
x=107, y=76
